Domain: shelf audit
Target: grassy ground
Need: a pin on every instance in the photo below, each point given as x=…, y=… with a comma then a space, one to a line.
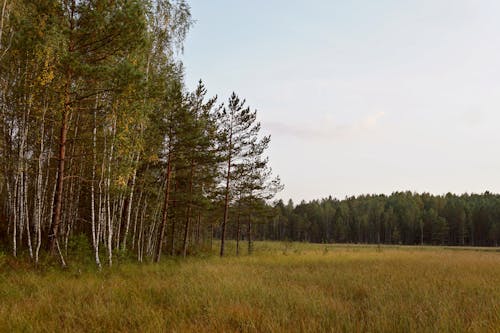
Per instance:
x=283, y=287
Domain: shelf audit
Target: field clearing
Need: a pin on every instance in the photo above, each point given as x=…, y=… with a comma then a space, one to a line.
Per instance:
x=283, y=287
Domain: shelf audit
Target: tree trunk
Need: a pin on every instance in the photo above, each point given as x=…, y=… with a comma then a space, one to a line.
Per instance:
x=226, y=202
x=95, y=228
x=250, y=240
x=198, y=229
x=238, y=229
x=120, y=206
x=188, y=212
x=14, y=220
x=109, y=215
x=26, y=214
x=3, y=15
x=130, y=201
x=136, y=217
x=164, y=217
x=37, y=213
x=56, y=217
x=421, y=233
x=211, y=236
x=140, y=239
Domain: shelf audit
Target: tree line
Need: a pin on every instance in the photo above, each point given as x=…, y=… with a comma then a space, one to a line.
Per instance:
x=102, y=143
x=400, y=218
x=100, y=139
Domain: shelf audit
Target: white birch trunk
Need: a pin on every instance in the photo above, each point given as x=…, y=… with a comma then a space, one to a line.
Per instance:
x=130, y=204
x=108, y=200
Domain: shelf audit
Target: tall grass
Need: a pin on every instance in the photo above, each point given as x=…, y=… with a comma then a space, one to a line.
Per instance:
x=283, y=287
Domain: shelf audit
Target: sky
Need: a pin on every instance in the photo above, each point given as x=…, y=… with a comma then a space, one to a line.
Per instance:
x=361, y=96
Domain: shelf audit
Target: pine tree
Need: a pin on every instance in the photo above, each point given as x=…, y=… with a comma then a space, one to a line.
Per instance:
x=241, y=150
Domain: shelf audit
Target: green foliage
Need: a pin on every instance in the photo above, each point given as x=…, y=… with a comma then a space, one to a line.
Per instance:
x=79, y=244
x=401, y=218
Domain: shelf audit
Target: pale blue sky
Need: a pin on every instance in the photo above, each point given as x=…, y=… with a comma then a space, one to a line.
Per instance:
x=361, y=96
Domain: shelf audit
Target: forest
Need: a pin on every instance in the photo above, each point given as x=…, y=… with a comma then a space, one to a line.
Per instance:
x=101, y=142
x=401, y=218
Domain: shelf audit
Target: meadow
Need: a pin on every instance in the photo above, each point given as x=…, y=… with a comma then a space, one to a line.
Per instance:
x=282, y=287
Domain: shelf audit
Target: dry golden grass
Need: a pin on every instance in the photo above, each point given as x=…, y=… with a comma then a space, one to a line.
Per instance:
x=282, y=288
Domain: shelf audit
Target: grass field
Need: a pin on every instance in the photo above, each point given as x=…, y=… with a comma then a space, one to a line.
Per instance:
x=283, y=287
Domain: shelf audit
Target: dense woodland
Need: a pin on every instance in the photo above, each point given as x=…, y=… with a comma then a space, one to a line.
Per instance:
x=401, y=218
x=102, y=144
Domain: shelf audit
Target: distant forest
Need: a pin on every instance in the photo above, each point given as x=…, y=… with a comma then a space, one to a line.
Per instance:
x=400, y=218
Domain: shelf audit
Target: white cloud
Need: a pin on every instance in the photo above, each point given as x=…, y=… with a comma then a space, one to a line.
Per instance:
x=325, y=129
